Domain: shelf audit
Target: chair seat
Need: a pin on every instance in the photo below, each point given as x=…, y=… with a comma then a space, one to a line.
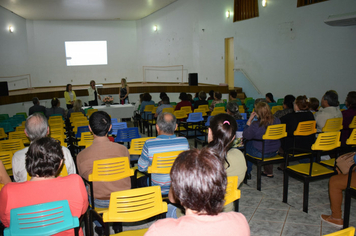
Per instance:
x=330, y=162
x=277, y=157
x=316, y=171
x=138, y=232
x=302, y=154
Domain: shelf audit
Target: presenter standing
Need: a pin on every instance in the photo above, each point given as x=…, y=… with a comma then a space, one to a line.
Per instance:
x=70, y=97
x=124, y=92
x=93, y=94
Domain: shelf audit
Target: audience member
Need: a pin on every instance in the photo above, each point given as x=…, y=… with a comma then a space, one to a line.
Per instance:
x=124, y=92
x=138, y=103
x=202, y=100
x=36, y=107
x=269, y=98
x=233, y=97
x=348, y=115
x=161, y=96
x=44, y=159
x=36, y=127
x=4, y=177
x=184, y=101
x=196, y=97
x=102, y=148
x=330, y=109
x=76, y=108
x=211, y=95
x=165, y=104
x=56, y=108
x=314, y=104
x=199, y=185
x=190, y=99
x=146, y=100
x=217, y=100
x=70, y=96
x=337, y=184
x=166, y=141
x=93, y=94
x=232, y=108
x=287, y=106
x=255, y=130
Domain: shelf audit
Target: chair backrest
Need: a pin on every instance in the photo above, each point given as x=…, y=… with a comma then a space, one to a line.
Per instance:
x=85, y=138
x=274, y=132
x=352, y=139
x=20, y=128
x=113, y=120
x=81, y=129
x=220, y=105
x=305, y=128
x=168, y=109
x=117, y=126
x=202, y=110
x=76, y=119
x=4, y=116
x=56, y=131
x=57, y=117
x=276, y=108
x=6, y=126
x=111, y=169
x=149, y=108
x=195, y=117
x=205, y=107
x=59, y=137
x=19, y=135
x=332, y=125
x=280, y=101
x=180, y=114
x=232, y=193
x=221, y=108
x=2, y=133
x=6, y=158
x=327, y=141
x=125, y=135
x=244, y=116
x=154, y=110
x=91, y=111
x=42, y=219
x=353, y=123
x=214, y=113
x=162, y=162
x=207, y=123
x=186, y=109
x=137, y=145
x=350, y=231
x=78, y=124
x=241, y=109
x=63, y=172
x=22, y=113
x=241, y=124
x=77, y=113
x=13, y=145
x=135, y=205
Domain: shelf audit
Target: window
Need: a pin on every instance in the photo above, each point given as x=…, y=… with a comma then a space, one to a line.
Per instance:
x=83, y=53
x=308, y=2
x=245, y=9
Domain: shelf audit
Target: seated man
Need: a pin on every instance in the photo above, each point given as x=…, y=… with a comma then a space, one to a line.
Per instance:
x=36, y=127
x=165, y=104
x=166, y=141
x=36, y=107
x=202, y=100
x=330, y=109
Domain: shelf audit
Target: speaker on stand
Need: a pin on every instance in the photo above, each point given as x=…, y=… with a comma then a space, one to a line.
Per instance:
x=193, y=79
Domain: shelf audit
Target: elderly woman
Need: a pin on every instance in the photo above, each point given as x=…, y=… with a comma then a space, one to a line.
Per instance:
x=199, y=185
x=232, y=108
x=77, y=107
x=44, y=160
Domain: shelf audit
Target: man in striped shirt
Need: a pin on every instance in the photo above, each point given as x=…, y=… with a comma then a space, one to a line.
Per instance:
x=166, y=141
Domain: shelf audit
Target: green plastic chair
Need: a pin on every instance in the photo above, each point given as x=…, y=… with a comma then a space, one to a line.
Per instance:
x=4, y=117
x=280, y=102
x=22, y=113
x=220, y=105
x=42, y=219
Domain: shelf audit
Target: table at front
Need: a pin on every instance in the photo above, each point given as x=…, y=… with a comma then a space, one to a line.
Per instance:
x=117, y=111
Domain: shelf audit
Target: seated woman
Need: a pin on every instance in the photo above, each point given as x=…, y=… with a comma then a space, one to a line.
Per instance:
x=161, y=96
x=44, y=160
x=255, y=130
x=217, y=99
x=199, y=185
x=55, y=109
x=301, y=113
x=269, y=98
x=146, y=100
x=77, y=107
x=232, y=108
x=184, y=101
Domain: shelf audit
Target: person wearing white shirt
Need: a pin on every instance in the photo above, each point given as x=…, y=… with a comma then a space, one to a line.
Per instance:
x=93, y=94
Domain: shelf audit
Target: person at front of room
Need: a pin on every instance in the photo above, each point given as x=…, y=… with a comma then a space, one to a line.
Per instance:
x=93, y=94
x=124, y=92
x=199, y=185
x=70, y=96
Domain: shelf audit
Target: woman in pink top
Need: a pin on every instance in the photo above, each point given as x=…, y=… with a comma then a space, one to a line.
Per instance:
x=199, y=185
x=44, y=159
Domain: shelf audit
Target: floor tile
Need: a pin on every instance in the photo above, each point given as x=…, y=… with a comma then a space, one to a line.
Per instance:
x=300, y=230
x=300, y=217
x=265, y=228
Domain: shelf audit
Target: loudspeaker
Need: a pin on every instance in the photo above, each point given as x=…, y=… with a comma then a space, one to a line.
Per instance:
x=4, y=90
x=193, y=79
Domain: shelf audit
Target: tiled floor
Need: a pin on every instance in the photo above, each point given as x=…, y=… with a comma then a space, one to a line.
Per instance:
x=268, y=215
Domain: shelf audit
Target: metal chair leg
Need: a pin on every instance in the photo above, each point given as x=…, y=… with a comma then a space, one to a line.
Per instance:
x=285, y=186
x=347, y=206
x=306, y=195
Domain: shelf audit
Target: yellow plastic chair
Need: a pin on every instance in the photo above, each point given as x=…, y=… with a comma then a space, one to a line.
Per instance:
x=162, y=162
x=1, y=186
x=3, y=135
x=55, y=118
x=352, y=139
x=202, y=110
x=205, y=107
x=180, y=114
x=332, y=125
x=186, y=109
x=219, y=109
x=6, y=158
x=78, y=124
x=131, y=206
x=63, y=172
x=273, y=132
x=312, y=171
x=61, y=138
x=241, y=109
x=350, y=231
x=86, y=138
x=216, y=112
x=168, y=110
x=136, y=148
x=276, y=108
x=19, y=135
x=108, y=170
x=76, y=119
x=20, y=128
x=91, y=111
x=353, y=123
x=232, y=193
x=304, y=128
x=74, y=114
x=12, y=145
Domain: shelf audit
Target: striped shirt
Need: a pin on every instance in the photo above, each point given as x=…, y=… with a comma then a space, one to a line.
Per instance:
x=163, y=143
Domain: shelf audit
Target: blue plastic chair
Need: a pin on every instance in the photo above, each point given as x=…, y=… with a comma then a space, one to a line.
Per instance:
x=42, y=219
x=116, y=126
x=244, y=115
x=241, y=124
x=207, y=123
x=195, y=117
x=126, y=135
x=114, y=120
x=81, y=129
